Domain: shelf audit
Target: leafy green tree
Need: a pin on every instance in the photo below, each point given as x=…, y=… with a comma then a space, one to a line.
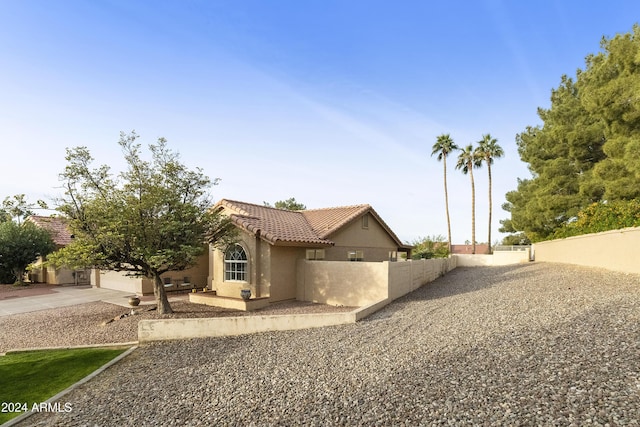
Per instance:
x=516, y=240
x=468, y=159
x=488, y=150
x=588, y=148
x=18, y=208
x=430, y=247
x=290, y=204
x=153, y=218
x=442, y=147
x=21, y=245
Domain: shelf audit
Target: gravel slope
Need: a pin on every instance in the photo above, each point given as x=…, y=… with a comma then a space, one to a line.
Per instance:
x=92, y=323
x=535, y=344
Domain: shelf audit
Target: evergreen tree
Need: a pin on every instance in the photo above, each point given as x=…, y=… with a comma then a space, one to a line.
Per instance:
x=588, y=148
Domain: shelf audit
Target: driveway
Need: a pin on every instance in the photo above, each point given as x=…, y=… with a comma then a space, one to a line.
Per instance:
x=59, y=296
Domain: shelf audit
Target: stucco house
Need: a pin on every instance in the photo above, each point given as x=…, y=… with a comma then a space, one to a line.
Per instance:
x=194, y=277
x=61, y=236
x=272, y=241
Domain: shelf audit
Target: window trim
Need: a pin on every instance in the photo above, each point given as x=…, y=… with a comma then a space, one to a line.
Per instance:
x=365, y=221
x=315, y=254
x=355, y=255
x=236, y=270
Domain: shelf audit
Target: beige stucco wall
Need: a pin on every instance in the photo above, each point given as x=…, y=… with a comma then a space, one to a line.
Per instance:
x=57, y=276
x=342, y=283
x=171, y=329
x=362, y=283
x=497, y=258
x=374, y=241
x=259, y=277
x=283, y=272
x=617, y=250
x=121, y=282
x=405, y=277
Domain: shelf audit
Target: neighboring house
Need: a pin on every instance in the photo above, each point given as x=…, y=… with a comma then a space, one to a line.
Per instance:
x=481, y=249
x=195, y=277
x=61, y=237
x=175, y=280
x=271, y=241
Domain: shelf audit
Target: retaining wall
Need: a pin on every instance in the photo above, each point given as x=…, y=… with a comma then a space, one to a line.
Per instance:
x=173, y=329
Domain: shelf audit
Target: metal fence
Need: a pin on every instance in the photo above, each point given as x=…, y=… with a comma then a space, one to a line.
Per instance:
x=514, y=248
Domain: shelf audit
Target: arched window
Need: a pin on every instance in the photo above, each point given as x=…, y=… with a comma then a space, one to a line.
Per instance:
x=235, y=264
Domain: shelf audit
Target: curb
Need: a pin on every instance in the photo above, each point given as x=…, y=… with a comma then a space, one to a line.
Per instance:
x=95, y=373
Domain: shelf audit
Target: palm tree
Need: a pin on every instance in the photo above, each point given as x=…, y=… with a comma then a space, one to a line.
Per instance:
x=488, y=149
x=467, y=160
x=443, y=146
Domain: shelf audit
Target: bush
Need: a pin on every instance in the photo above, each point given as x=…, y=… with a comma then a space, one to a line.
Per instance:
x=430, y=247
x=6, y=275
x=602, y=216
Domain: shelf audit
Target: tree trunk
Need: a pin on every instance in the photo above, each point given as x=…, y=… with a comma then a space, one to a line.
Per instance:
x=473, y=212
x=161, y=296
x=490, y=208
x=446, y=203
x=19, y=273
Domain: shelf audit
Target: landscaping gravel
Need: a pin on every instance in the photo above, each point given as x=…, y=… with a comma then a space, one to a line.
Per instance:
x=533, y=344
x=104, y=323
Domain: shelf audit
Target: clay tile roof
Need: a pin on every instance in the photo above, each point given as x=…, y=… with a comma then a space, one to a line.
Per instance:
x=277, y=226
x=326, y=221
x=56, y=226
x=283, y=227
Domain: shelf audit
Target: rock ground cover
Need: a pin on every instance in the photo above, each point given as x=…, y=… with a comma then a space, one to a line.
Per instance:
x=534, y=344
x=93, y=323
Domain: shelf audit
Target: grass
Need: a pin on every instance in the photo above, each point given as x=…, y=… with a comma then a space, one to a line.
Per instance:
x=35, y=376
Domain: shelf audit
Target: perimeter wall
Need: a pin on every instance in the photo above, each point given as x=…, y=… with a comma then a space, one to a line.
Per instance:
x=617, y=250
x=358, y=284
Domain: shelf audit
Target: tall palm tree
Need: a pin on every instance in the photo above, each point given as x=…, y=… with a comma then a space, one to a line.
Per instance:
x=488, y=149
x=443, y=146
x=467, y=160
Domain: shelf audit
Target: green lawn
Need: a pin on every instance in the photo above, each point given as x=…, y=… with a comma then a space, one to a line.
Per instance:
x=35, y=376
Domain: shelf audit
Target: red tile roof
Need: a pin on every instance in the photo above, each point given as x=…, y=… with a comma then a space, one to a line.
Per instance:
x=276, y=226
x=481, y=249
x=307, y=227
x=56, y=226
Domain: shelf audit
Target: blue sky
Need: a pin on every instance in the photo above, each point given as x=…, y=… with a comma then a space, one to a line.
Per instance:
x=331, y=102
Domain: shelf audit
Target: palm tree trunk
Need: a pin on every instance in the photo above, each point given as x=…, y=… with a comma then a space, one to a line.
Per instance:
x=490, y=208
x=446, y=203
x=473, y=212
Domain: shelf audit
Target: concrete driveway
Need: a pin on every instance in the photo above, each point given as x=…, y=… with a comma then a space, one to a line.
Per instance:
x=62, y=296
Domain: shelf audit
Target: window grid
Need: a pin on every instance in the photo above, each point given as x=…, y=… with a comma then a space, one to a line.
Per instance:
x=235, y=264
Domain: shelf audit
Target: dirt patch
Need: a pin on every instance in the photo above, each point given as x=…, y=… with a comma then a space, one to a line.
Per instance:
x=30, y=290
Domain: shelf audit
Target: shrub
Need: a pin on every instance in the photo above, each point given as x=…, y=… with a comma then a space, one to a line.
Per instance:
x=430, y=247
x=603, y=216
